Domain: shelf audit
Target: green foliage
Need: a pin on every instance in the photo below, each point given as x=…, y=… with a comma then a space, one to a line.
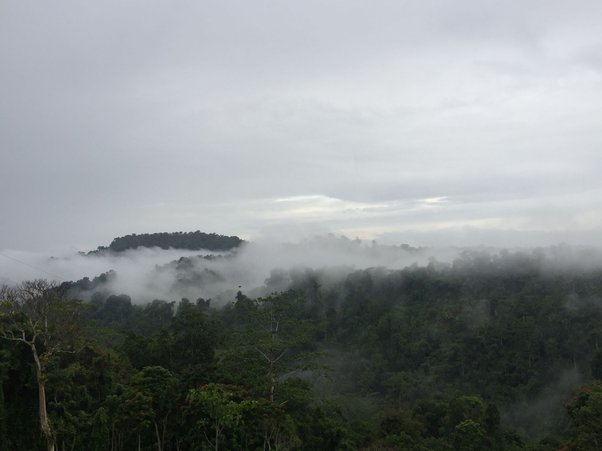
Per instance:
x=217, y=408
x=185, y=346
x=177, y=240
x=270, y=338
x=585, y=409
x=78, y=385
x=469, y=435
x=425, y=358
x=4, y=357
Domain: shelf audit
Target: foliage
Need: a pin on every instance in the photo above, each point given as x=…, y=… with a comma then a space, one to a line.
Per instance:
x=177, y=240
x=490, y=352
x=585, y=408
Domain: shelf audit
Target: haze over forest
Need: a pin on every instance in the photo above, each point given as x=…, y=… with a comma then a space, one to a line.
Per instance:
x=328, y=344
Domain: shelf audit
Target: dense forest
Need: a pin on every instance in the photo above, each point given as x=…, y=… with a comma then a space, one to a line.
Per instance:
x=177, y=240
x=495, y=351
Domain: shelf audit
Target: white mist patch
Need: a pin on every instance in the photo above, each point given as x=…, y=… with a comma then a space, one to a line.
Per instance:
x=147, y=274
x=254, y=264
x=17, y=266
x=255, y=268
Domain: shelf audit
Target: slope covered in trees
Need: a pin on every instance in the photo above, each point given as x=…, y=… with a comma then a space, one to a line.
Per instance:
x=496, y=352
x=177, y=240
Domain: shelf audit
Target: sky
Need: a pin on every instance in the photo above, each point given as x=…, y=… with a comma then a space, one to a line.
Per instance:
x=423, y=122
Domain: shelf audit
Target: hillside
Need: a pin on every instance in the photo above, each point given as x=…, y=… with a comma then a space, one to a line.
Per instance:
x=176, y=240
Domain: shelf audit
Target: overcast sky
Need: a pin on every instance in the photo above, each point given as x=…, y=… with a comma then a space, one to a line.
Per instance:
x=418, y=121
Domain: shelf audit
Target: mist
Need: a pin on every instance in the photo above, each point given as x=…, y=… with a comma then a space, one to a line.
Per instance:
x=267, y=265
x=17, y=265
x=255, y=268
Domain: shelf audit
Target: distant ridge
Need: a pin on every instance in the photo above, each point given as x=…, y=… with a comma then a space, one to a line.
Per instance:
x=177, y=240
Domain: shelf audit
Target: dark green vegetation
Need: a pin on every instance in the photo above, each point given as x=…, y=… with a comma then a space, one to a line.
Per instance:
x=491, y=352
x=177, y=240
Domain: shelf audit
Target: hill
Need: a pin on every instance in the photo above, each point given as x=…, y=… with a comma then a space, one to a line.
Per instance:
x=177, y=240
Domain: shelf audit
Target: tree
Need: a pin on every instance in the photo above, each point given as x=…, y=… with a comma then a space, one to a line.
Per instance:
x=468, y=435
x=585, y=409
x=193, y=337
x=596, y=365
x=4, y=356
x=159, y=386
x=218, y=409
x=35, y=314
x=79, y=385
x=273, y=339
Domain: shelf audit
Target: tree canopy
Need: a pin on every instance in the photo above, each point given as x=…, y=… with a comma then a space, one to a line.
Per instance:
x=177, y=240
x=485, y=353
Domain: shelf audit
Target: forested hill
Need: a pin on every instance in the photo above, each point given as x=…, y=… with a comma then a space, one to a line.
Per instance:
x=177, y=240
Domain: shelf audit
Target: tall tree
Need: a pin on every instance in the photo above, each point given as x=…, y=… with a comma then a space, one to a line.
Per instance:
x=35, y=315
x=218, y=409
x=273, y=338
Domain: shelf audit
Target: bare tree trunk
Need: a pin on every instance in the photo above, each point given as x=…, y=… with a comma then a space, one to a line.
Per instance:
x=43, y=412
x=163, y=427
x=159, y=447
x=216, y=436
x=273, y=381
x=273, y=330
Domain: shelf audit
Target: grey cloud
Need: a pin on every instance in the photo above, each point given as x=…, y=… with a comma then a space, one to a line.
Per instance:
x=206, y=109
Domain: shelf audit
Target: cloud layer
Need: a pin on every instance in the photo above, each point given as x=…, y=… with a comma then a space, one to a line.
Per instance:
x=367, y=118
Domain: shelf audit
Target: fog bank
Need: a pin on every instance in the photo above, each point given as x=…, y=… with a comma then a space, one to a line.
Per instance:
x=264, y=266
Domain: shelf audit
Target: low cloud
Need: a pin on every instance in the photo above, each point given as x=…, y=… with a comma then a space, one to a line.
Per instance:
x=147, y=274
x=266, y=265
